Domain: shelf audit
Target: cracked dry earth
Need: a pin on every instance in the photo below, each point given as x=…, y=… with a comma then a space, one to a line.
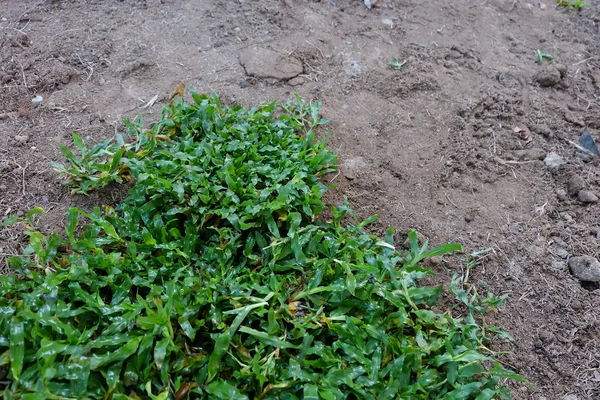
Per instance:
x=430, y=147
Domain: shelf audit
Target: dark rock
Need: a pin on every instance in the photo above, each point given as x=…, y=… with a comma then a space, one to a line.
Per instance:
x=585, y=268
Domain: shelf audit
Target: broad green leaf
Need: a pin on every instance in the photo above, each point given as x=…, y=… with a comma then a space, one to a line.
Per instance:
x=160, y=351
x=17, y=347
x=223, y=390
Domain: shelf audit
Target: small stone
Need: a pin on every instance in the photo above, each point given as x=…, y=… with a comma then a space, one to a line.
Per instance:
x=20, y=214
x=585, y=268
x=297, y=81
x=559, y=252
x=371, y=3
x=3, y=188
x=237, y=29
x=468, y=218
x=36, y=101
x=548, y=77
x=543, y=6
x=553, y=161
x=575, y=184
x=243, y=84
x=587, y=196
x=21, y=138
x=558, y=265
x=561, y=194
x=388, y=22
x=345, y=106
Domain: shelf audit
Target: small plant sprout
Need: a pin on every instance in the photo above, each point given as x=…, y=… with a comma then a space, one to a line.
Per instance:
x=397, y=65
x=571, y=4
x=541, y=55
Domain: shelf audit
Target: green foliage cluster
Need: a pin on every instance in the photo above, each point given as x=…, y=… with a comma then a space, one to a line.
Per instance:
x=579, y=4
x=215, y=280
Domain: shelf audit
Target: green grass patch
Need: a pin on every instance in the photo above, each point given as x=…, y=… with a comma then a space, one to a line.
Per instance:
x=214, y=279
x=579, y=5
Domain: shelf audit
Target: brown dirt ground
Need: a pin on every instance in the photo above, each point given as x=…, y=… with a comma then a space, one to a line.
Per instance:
x=429, y=147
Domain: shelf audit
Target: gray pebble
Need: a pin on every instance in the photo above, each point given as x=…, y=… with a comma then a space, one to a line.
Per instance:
x=559, y=252
x=558, y=265
x=587, y=196
x=585, y=268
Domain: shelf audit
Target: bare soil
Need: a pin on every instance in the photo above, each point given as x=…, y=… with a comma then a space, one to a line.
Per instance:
x=429, y=147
